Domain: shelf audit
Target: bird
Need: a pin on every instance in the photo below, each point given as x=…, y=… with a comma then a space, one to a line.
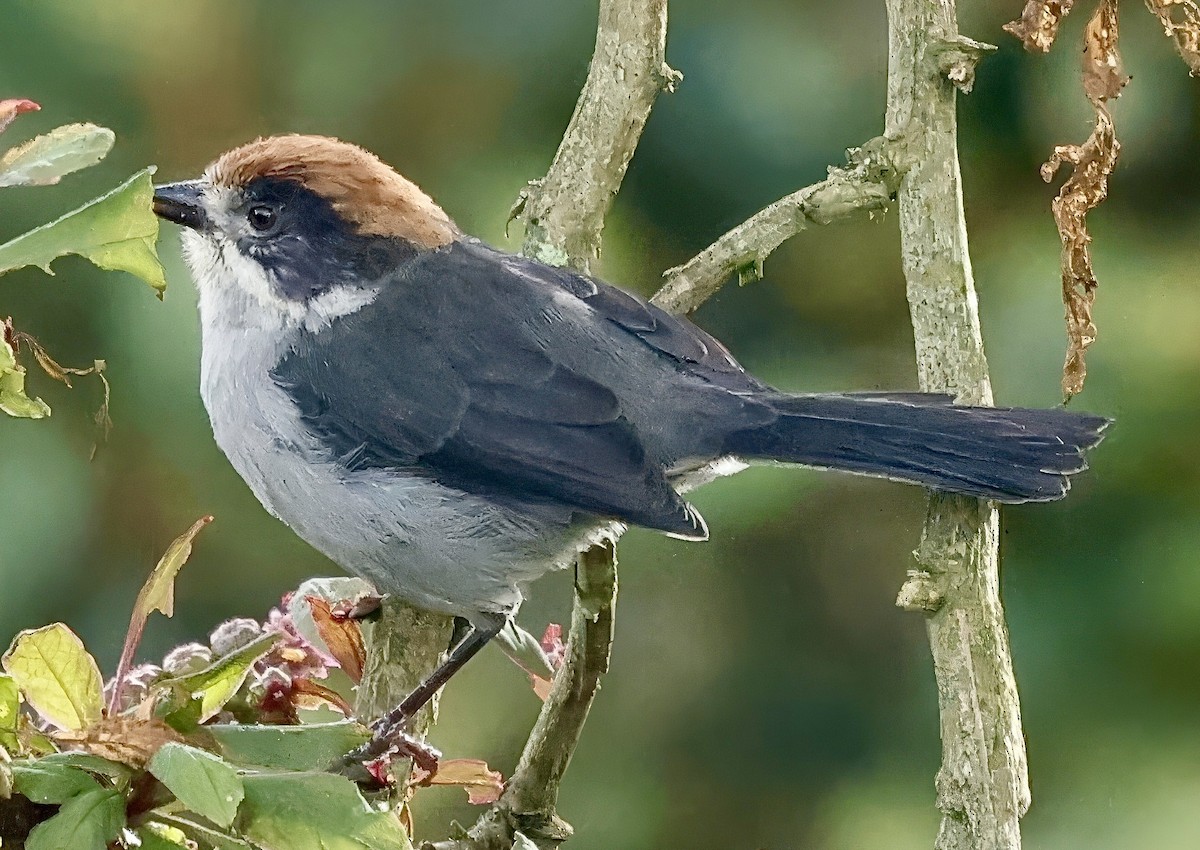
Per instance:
x=450, y=421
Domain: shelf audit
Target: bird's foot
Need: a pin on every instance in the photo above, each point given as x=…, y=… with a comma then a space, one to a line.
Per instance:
x=370, y=764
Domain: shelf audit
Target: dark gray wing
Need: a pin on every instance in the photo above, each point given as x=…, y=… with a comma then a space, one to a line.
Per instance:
x=443, y=376
x=695, y=351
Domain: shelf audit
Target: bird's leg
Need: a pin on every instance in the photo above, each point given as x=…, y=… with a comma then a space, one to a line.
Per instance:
x=391, y=730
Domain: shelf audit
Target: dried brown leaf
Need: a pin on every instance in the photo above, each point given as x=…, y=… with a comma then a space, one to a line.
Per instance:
x=342, y=636
x=63, y=373
x=1103, y=77
x=1038, y=25
x=309, y=694
x=1091, y=164
x=1180, y=20
x=131, y=741
x=10, y=109
x=483, y=785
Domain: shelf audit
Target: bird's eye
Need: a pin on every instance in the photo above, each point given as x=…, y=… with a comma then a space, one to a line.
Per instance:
x=262, y=217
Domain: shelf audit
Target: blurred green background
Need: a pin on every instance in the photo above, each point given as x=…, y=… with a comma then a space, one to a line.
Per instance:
x=765, y=690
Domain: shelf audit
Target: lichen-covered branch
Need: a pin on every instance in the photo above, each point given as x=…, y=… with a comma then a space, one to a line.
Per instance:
x=527, y=806
x=564, y=215
x=404, y=646
x=982, y=786
x=868, y=184
x=564, y=211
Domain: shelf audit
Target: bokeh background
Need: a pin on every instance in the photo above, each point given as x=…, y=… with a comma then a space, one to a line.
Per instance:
x=765, y=691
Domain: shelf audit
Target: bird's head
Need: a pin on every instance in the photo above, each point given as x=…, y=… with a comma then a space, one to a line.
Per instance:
x=287, y=221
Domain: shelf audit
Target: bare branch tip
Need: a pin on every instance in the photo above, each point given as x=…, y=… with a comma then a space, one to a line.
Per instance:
x=669, y=78
x=957, y=57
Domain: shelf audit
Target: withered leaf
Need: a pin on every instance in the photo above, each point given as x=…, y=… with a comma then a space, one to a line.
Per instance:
x=483, y=785
x=1103, y=77
x=1180, y=20
x=342, y=636
x=1092, y=163
x=10, y=109
x=1038, y=25
x=128, y=740
x=309, y=694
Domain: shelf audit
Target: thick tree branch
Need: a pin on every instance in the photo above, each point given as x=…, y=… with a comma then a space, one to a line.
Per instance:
x=564, y=212
x=403, y=647
x=982, y=786
x=563, y=215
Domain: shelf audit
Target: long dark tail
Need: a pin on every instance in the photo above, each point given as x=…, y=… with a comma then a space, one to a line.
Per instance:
x=1005, y=454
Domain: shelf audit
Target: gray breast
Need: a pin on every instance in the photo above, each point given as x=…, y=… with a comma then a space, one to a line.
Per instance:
x=438, y=547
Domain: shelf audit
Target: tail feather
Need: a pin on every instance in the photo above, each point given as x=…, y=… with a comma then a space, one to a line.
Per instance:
x=1005, y=454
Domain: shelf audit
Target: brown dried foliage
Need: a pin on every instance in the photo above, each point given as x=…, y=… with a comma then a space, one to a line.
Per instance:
x=1038, y=25
x=1103, y=77
x=1181, y=22
x=343, y=637
x=1086, y=187
x=482, y=784
x=1091, y=164
x=63, y=374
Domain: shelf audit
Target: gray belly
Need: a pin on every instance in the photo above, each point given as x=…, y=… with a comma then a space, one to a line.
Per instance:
x=436, y=547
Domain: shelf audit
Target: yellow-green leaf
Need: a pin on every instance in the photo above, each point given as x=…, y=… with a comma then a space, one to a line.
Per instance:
x=57, y=676
x=217, y=683
x=45, y=159
x=10, y=707
x=116, y=231
x=158, y=593
x=160, y=836
x=13, y=400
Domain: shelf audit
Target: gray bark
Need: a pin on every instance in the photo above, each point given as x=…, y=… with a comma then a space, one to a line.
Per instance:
x=982, y=786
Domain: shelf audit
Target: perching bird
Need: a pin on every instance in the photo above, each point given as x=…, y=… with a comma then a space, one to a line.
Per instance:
x=450, y=421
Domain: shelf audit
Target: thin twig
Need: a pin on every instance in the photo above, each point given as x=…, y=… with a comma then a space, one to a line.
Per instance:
x=982, y=786
x=868, y=184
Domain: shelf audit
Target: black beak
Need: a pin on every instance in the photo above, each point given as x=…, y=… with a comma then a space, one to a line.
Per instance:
x=180, y=203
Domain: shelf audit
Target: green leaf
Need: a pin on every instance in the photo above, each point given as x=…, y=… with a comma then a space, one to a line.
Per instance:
x=217, y=683
x=204, y=783
x=115, y=231
x=45, y=159
x=6, y=780
x=10, y=713
x=117, y=772
x=204, y=834
x=156, y=836
x=13, y=400
x=50, y=783
x=56, y=675
x=315, y=811
x=87, y=822
x=313, y=746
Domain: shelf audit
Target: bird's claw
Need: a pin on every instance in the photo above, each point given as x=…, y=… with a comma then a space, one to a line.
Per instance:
x=369, y=764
